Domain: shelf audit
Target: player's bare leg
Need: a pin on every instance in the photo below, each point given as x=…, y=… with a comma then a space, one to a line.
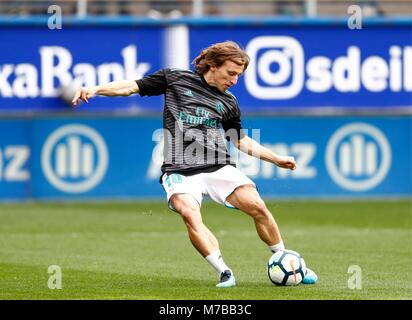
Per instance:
x=212, y=237
x=201, y=237
x=247, y=199
x=189, y=210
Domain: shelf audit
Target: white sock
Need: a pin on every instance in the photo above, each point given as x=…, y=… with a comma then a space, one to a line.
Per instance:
x=277, y=247
x=216, y=261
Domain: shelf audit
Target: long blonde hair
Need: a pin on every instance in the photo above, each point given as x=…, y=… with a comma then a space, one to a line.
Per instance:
x=218, y=53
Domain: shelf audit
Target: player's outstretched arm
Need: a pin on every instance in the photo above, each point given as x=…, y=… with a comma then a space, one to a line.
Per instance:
x=111, y=89
x=253, y=148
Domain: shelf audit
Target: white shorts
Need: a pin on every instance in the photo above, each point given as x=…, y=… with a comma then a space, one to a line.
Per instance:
x=218, y=185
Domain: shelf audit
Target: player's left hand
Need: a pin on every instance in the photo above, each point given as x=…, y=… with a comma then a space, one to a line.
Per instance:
x=286, y=162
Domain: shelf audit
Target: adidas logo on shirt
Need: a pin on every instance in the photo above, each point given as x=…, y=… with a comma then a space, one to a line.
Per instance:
x=189, y=93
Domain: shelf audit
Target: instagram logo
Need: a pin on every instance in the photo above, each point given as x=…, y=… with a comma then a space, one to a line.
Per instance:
x=276, y=69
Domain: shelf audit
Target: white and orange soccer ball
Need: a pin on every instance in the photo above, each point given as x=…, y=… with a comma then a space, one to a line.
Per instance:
x=286, y=268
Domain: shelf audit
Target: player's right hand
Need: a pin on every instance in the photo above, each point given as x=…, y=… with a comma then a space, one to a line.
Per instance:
x=82, y=94
x=286, y=162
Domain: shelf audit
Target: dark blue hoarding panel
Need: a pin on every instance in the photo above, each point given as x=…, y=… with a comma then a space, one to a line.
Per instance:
x=293, y=67
x=36, y=63
x=69, y=158
x=319, y=66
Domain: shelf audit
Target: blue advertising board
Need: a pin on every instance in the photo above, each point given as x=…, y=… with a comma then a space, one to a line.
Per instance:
x=336, y=156
x=293, y=66
x=120, y=157
x=298, y=67
x=15, y=159
x=94, y=158
x=42, y=72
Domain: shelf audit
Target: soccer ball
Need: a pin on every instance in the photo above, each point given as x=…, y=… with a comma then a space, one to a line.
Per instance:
x=286, y=268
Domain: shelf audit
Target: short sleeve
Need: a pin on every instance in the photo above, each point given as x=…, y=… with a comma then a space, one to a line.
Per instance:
x=154, y=84
x=233, y=129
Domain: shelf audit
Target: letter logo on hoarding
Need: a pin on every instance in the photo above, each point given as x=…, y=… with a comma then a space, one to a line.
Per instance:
x=74, y=158
x=276, y=69
x=55, y=21
x=358, y=157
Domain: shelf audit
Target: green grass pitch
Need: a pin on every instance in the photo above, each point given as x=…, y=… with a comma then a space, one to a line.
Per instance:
x=140, y=250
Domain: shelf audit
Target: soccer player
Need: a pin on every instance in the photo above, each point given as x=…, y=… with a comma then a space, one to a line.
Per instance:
x=196, y=160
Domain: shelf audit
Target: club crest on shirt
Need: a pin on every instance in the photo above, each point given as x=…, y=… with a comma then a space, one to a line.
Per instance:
x=219, y=107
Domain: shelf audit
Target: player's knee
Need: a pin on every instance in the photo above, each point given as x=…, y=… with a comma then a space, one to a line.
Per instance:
x=258, y=208
x=191, y=217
